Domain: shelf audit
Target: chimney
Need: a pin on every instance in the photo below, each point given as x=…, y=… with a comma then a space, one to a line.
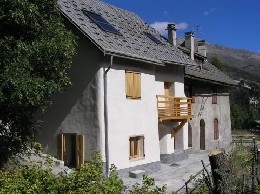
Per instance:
x=189, y=43
x=172, y=34
x=202, y=48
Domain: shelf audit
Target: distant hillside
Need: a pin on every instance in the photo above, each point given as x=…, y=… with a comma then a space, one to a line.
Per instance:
x=238, y=63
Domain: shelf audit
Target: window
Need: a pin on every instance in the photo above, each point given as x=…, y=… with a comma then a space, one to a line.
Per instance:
x=136, y=145
x=101, y=22
x=214, y=98
x=133, y=84
x=153, y=38
x=70, y=149
x=216, y=129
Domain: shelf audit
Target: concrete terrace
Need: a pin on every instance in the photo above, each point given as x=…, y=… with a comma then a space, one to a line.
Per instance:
x=175, y=175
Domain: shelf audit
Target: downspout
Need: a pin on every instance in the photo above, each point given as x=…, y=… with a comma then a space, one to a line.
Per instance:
x=106, y=116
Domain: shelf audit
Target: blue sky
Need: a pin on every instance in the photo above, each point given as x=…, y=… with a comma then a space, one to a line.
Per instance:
x=232, y=23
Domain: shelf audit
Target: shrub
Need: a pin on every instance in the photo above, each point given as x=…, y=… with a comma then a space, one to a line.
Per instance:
x=38, y=178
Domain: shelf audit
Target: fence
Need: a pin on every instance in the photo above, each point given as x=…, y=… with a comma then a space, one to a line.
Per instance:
x=203, y=182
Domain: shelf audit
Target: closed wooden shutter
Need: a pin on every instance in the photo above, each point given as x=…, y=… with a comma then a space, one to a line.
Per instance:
x=80, y=146
x=129, y=77
x=133, y=84
x=60, y=147
x=137, y=85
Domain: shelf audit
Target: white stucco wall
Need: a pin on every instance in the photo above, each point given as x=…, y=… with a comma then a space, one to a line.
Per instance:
x=175, y=75
x=127, y=117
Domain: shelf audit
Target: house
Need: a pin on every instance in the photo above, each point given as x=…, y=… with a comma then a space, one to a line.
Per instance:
x=209, y=89
x=127, y=96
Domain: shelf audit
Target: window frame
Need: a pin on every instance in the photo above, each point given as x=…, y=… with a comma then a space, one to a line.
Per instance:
x=133, y=88
x=134, y=143
x=214, y=97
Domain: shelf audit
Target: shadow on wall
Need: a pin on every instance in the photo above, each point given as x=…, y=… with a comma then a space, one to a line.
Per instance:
x=85, y=65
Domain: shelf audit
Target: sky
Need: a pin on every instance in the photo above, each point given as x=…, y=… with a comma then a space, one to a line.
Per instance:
x=232, y=23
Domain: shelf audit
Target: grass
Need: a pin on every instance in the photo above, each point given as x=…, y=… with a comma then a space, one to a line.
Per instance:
x=245, y=132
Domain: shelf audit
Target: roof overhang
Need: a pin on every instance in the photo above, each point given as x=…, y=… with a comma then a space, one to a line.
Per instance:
x=211, y=81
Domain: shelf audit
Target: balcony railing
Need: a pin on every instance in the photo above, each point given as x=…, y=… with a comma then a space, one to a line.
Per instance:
x=173, y=108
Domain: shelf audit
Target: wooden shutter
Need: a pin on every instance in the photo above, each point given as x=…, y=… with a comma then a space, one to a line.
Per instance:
x=60, y=147
x=129, y=77
x=141, y=146
x=80, y=151
x=136, y=145
x=137, y=85
x=132, y=147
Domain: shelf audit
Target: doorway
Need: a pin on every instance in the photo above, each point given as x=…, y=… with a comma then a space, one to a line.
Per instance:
x=189, y=135
x=70, y=149
x=169, y=89
x=202, y=134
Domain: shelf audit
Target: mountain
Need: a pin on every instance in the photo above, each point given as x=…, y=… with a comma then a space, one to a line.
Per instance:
x=238, y=63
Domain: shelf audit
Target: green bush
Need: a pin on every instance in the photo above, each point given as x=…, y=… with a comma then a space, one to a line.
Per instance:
x=148, y=187
x=38, y=178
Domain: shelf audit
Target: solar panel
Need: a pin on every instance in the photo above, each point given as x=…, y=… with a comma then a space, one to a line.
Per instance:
x=101, y=22
x=153, y=38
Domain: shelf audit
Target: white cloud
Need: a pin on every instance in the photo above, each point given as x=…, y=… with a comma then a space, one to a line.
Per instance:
x=165, y=12
x=182, y=26
x=209, y=11
x=162, y=26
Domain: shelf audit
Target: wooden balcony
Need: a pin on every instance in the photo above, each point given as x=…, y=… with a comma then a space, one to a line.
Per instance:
x=173, y=108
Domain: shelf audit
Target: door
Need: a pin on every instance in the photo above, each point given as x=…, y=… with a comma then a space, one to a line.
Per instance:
x=169, y=89
x=202, y=134
x=71, y=149
x=189, y=135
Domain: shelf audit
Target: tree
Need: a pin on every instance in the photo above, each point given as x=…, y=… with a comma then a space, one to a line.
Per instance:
x=36, y=53
x=243, y=113
x=217, y=62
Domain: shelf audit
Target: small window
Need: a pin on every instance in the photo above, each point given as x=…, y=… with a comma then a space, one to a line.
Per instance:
x=214, y=99
x=133, y=84
x=216, y=129
x=101, y=22
x=153, y=38
x=136, y=145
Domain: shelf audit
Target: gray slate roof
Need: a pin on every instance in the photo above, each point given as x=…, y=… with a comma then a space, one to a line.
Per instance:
x=133, y=43
x=209, y=73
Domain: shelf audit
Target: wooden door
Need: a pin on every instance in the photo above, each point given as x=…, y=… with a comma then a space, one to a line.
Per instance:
x=202, y=134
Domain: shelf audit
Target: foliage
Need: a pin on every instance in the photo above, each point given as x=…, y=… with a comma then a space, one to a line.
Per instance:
x=38, y=178
x=36, y=53
x=217, y=62
x=147, y=187
x=242, y=112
